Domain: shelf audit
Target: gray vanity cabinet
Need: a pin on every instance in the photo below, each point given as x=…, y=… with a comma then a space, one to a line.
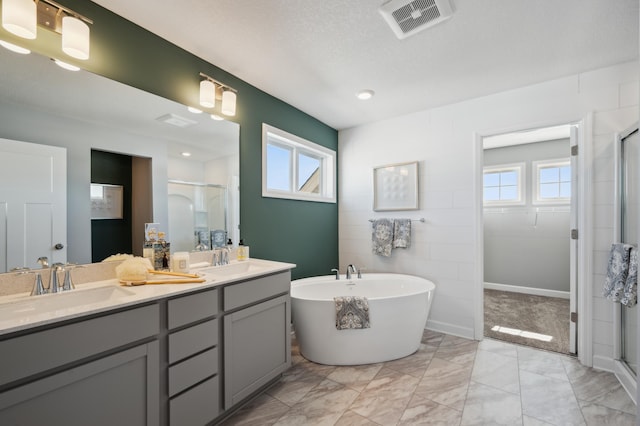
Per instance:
x=257, y=343
x=100, y=371
x=193, y=341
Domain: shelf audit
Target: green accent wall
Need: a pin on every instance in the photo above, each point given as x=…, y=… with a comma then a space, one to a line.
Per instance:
x=111, y=236
x=305, y=233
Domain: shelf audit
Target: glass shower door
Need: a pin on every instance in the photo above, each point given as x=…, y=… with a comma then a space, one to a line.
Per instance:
x=630, y=187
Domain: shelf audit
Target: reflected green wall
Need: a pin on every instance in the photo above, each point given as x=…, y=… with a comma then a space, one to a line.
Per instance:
x=300, y=232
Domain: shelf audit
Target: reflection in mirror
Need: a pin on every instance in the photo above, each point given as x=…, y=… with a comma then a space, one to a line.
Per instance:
x=80, y=112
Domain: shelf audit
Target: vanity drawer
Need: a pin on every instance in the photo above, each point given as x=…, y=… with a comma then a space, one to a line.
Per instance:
x=191, y=371
x=248, y=292
x=191, y=340
x=198, y=406
x=43, y=350
x=188, y=309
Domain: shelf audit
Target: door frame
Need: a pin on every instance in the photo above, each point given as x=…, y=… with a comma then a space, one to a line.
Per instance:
x=585, y=225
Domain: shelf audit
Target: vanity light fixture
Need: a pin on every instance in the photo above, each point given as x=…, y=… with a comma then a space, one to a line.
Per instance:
x=12, y=47
x=211, y=89
x=21, y=17
x=228, y=102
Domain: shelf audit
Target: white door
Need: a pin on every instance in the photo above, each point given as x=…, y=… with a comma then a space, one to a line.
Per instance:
x=573, y=243
x=33, y=204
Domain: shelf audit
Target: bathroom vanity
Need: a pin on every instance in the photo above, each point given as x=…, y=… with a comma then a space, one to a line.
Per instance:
x=176, y=354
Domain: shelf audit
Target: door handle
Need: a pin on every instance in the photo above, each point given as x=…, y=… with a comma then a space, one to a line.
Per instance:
x=59, y=246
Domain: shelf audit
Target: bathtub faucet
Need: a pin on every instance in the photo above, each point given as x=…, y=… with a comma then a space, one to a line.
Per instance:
x=351, y=269
x=337, y=273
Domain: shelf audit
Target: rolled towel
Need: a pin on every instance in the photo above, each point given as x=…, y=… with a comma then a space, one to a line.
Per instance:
x=617, y=272
x=630, y=294
x=382, y=237
x=402, y=233
x=352, y=312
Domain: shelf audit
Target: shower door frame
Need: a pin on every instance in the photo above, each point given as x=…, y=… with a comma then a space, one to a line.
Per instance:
x=622, y=371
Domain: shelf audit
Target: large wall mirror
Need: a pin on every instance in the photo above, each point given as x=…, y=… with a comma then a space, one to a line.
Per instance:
x=94, y=119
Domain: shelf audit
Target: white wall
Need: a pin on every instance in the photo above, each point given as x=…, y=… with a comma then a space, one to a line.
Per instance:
x=443, y=140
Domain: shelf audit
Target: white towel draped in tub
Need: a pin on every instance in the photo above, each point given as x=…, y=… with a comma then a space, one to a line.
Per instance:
x=630, y=294
x=382, y=237
x=402, y=233
x=352, y=312
x=617, y=272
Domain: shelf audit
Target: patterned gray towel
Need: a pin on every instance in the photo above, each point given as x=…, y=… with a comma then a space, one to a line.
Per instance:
x=382, y=237
x=402, y=233
x=617, y=272
x=630, y=295
x=352, y=312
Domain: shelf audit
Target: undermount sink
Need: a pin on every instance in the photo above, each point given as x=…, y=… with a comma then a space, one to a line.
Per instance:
x=15, y=309
x=243, y=267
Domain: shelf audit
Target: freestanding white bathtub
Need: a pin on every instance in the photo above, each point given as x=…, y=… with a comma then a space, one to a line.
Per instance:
x=398, y=310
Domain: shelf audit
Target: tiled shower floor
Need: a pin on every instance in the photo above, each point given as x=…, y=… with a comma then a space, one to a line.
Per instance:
x=449, y=381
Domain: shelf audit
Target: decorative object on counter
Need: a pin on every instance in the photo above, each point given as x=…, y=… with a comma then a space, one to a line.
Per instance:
x=395, y=187
x=162, y=281
x=243, y=251
x=133, y=269
x=118, y=257
x=161, y=251
x=218, y=237
x=180, y=262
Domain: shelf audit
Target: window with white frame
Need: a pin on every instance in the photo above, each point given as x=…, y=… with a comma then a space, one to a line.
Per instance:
x=295, y=168
x=552, y=181
x=504, y=184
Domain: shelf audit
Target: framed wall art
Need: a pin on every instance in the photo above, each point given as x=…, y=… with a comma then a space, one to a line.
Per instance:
x=395, y=187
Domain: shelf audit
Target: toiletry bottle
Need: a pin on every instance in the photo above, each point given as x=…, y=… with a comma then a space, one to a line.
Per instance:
x=243, y=251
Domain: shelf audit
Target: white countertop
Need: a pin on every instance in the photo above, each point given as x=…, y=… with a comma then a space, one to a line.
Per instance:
x=21, y=311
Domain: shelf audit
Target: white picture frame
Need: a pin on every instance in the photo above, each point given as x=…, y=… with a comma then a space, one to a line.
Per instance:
x=395, y=187
x=106, y=201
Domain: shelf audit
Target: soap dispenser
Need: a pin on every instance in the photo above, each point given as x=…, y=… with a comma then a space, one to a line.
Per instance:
x=243, y=251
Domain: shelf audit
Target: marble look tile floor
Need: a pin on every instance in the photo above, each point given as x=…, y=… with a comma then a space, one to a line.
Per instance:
x=448, y=381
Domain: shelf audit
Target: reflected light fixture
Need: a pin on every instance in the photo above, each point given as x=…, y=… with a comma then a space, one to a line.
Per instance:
x=211, y=89
x=19, y=17
x=216, y=117
x=66, y=66
x=365, y=94
x=22, y=17
x=12, y=47
x=185, y=154
x=194, y=110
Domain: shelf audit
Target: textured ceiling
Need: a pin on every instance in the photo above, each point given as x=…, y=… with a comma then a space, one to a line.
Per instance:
x=316, y=54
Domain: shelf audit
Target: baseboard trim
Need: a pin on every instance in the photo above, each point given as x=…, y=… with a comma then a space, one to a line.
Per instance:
x=603, y=363
x=447, y=328
x=527, y=290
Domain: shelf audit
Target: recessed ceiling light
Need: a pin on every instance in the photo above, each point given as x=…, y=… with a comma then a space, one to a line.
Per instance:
x=66, y=66
x=365, y=94
x=216, y=117
x=185, y=154
x=12, y=47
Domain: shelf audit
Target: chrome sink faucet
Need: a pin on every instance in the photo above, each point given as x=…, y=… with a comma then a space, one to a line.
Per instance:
x=351, y=269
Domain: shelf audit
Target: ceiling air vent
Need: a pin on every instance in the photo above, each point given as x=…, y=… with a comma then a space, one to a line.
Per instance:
x=408, y=17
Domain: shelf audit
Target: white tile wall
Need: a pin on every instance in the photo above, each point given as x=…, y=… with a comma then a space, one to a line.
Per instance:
x=442, y=140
